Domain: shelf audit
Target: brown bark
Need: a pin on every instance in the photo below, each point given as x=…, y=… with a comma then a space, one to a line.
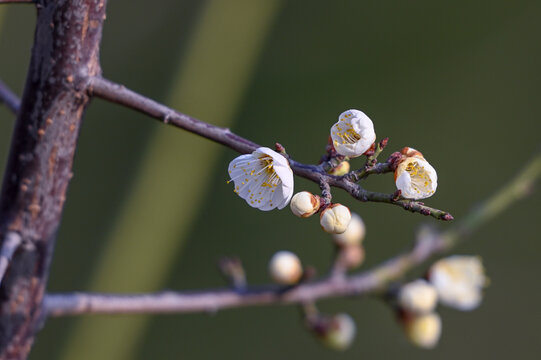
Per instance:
x=64, y=56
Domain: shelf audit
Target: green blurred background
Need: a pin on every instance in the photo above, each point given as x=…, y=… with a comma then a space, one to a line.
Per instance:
x=149, y=207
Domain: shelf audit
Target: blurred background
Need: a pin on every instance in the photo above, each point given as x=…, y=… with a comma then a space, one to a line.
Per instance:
x=149, y=207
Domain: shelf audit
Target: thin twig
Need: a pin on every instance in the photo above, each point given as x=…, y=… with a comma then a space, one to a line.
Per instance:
x=119, y=94
x=374, y=280
x=9, y=98
x=11, y=243
x=16, y=1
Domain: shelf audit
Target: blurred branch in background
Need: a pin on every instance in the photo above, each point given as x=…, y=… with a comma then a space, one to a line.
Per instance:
x=9, y=98
x=375, y=280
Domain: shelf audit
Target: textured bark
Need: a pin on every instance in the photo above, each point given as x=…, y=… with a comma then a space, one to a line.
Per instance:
x=64, y=56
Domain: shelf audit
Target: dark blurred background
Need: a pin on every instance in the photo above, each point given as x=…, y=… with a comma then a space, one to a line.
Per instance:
x=149, y=207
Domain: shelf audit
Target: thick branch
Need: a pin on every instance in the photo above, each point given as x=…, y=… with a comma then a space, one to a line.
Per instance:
x=119, y=94
x=39, y=168
x=366, y=282
x=9, y=98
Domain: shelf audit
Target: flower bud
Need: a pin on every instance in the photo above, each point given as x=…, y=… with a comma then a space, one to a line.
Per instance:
x=304, y=204
x=340, y=169
x=336, y=332
x=285, y=268
x=418, y=297
x=335, y=219
x=423, y=330
x=351, y=256
x=354, y=234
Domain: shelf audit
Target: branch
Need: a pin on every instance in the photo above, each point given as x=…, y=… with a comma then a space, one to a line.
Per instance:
x=11, y=243
x=370, y=281
x=16, y=1
x=9, y=98
x=39, y=166
x=119, y=94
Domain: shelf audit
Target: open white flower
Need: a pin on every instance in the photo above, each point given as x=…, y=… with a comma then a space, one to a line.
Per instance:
x=353, y=134
x=459, y=281
x=262, y=178
x=414, y=176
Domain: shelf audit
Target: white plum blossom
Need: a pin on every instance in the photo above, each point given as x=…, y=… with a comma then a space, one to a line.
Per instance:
x=414, y=176
x=285, y=268
x=353, y=134
x=423, y=330
x=418, y=297
x=459, y=281
x=262, y=178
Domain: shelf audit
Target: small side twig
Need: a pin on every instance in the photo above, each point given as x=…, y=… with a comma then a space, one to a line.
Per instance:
x=9, y=98
x=12, y=241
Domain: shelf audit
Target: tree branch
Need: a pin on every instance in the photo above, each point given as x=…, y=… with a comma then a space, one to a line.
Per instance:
x=17, y=1
x=39, y=167
x=374, y=280
x=9, y=98
x=119, y=94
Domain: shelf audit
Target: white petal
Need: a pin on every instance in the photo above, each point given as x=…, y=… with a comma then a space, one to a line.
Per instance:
x=286, y=194
x=285, y=174
x=403, y=183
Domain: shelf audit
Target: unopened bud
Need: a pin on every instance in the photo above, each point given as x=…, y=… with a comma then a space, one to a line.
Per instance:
x=353, y=256
x=340, y=169
x=285, y=268
x=335, y=219
x=354, y=234
x=304, y=204
x=336, y=332
x=418, y=297
x=423, y=330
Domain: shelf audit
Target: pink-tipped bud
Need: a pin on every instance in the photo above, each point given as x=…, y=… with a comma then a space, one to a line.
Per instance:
x=353, y=256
